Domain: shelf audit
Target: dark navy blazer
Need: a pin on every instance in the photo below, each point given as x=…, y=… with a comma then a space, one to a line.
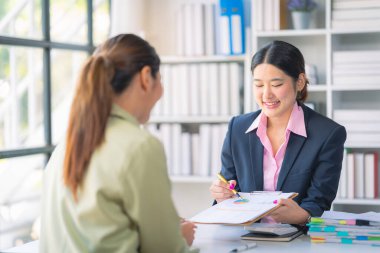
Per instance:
x=311, y=166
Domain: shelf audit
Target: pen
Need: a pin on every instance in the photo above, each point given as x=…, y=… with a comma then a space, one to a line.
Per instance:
x=244, y=247
x=225, y=181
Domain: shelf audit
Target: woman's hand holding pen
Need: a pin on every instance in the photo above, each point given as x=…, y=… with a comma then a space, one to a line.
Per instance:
x=290, y=212
x=188, y=231
x=221, y=191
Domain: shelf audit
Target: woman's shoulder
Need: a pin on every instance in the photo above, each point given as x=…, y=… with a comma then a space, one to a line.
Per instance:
x=318, y=122
x=126, y=136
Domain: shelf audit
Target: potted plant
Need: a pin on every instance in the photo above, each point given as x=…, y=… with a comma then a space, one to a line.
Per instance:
x=301, y=12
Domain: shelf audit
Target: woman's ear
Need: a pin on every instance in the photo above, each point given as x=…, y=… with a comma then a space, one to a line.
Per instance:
x=301, y=82
x=145, y=78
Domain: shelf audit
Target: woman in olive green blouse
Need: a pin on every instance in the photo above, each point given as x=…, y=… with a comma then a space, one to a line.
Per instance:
x=106, y=188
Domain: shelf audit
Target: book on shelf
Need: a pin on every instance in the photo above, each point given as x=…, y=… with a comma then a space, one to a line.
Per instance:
x=269, y=15
x=198, y=21
x=195, y=155
x=224, y=89
x=165, y=134
x=355, y=4
x=257, y=15
x=369, y=70
x=342, y=188
x=215, y=152
x=189, y=152
x=268, y=19
x=209, y=29
x=356, y=56
x=176, y=149
x=188, y=29
x=361, y=127
x=350, y=176
x=353, y=14
x=186, y=166
x=234, y=211
x=194, y=86
x=369, y=138
x=199, y=89
x=355, y=24
x=213, y=72
x=356, y=115
x=235, y=82
x=205, y=90
x=349, y=67
x=356, y=79
x=196, y=29
x=205, y=147
x=371, y=175
x=359, y=175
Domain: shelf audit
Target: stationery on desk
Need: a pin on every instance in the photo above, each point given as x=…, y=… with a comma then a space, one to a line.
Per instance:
x=346, y=228
x=271, y=232
x=244, y=247
x=234, y=211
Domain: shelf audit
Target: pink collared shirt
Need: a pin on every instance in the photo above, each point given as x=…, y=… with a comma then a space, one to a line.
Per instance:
x=272, y=163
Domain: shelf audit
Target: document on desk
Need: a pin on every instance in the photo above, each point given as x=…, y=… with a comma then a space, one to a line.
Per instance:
x=236, y=212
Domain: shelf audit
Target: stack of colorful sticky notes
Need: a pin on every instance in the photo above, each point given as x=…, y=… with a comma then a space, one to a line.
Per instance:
x=348, y=231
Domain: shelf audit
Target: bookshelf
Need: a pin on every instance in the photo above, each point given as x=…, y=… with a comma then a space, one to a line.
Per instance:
x=318, y=44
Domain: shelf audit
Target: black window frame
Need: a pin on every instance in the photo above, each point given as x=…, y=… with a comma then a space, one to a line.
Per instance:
x=47, y=45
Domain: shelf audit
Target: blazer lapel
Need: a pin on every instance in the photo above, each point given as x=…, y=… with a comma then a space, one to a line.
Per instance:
x=294, y=147
x=256, y=150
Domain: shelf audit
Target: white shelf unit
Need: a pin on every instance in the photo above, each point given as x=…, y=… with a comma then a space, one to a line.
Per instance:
x=317, y=45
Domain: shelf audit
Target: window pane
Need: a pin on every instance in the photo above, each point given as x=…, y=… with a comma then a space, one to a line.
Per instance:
x=21, y=114
x=65, y=69
x=21, y=18
x=101, y=21
x=68, y=21
x=21, y=184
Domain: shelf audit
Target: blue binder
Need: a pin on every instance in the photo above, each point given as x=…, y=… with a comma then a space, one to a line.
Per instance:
x=232, y=27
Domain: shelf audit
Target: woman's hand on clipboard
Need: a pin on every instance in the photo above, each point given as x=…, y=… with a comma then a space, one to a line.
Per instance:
x=290, y=212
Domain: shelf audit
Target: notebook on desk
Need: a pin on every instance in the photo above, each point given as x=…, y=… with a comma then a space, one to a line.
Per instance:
x=235, y=212
x=272, y=232
x=272, y=237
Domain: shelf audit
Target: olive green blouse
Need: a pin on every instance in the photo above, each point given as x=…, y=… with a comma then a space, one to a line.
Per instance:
x=124, y=203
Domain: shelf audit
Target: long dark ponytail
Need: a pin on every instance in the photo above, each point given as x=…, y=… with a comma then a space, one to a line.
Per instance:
x=106, y=73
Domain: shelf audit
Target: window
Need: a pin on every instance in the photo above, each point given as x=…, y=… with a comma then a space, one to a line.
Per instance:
x=43, y=44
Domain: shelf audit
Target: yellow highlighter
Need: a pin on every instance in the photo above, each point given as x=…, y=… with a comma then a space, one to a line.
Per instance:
x=225, y=181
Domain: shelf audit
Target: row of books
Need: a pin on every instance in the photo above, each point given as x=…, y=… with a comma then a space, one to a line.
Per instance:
x=200, y=90
x=209, y=28
x=356, y=67
x=191, y=153
x=360, y=176
x=346, y=228
x=363, y=126
x=355, y=14
x=269, y=15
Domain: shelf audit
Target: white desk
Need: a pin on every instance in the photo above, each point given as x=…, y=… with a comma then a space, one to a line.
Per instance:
x=216, y=238
x=220, y=239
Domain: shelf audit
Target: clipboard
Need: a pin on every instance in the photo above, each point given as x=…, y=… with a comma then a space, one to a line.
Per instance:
x=231, y=212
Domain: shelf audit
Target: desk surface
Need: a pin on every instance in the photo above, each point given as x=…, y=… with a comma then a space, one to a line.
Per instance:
x=217, y=238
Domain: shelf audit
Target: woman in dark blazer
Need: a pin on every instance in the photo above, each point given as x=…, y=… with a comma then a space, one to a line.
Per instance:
x=285, y=146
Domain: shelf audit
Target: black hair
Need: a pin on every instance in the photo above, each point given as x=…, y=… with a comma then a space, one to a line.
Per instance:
x=284, y=56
